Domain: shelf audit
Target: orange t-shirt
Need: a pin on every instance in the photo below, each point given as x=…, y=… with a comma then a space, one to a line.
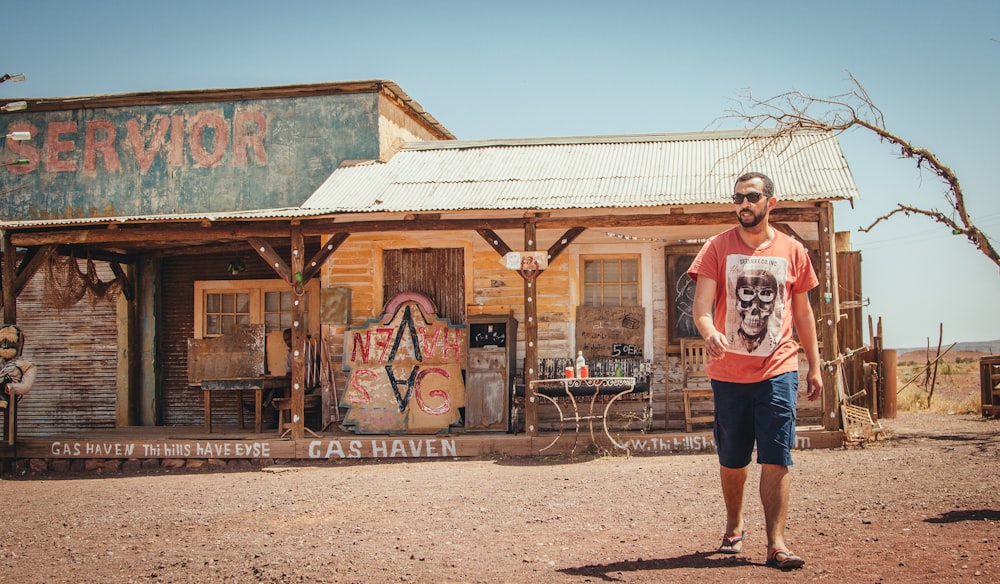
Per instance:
x=753, y=303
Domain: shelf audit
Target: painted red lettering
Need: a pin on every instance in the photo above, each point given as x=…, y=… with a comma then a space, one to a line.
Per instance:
x=363, y=344
x=360, y=395
x=249, y=128
x=100, y=139
x=441, y=394
x=144, y=154
x=175, y=151
x=209, y=139
x=54, y=147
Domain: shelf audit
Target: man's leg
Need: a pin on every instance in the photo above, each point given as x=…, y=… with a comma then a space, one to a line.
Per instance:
x=733, y=482
x=775, y=486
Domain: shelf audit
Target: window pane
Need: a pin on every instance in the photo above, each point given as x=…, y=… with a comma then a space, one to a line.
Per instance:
x=272, y=301
x=286, y=301
x=242, y=304
x=212, y=326
x=213, y=303
x=227, y=323
x=592, y=271
x=611, y=295
x=591, y=296
x=630, y=271
x=630, y=295
x=611, y=271
x=272, y=322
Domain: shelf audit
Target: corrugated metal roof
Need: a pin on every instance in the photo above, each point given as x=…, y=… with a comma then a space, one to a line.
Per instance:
x=647, y=170
x=253, y=214
x=587, y=172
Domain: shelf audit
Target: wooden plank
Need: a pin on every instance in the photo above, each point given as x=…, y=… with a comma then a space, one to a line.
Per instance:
x=239, y=354
x=199, y=445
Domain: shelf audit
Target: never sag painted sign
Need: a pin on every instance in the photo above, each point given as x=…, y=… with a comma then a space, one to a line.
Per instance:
x=406, y=371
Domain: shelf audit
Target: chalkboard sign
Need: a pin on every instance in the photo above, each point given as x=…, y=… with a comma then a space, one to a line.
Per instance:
x=610, y=331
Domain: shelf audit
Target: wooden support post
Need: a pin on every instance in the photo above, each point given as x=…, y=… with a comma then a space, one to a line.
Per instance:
x=531, y=336
x=298, y=334
x=829, y=313
x=7, y=277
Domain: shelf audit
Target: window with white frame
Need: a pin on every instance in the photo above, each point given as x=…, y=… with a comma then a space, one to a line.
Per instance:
x=611, y=280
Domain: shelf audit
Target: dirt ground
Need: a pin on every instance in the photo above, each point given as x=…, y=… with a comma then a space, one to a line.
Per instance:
x=920, y=506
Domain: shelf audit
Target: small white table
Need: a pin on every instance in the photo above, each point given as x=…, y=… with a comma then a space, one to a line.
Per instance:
x=587, y=389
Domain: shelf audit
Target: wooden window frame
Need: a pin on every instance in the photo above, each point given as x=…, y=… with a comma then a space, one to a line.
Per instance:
x=584, y=258
x=256, y=289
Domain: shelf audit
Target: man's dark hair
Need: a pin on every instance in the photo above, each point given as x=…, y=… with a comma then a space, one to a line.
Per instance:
x=768, y=183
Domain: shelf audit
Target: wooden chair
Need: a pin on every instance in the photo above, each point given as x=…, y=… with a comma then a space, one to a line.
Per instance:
x=696, y=385
x=313, y=401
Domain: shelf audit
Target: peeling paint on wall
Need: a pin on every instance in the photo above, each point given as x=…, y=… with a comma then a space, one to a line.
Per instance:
x=182, y=158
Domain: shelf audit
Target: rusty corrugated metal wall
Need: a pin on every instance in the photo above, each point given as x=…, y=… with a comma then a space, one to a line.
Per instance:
x=76, y=352
x=436, y=273
x=181, y=404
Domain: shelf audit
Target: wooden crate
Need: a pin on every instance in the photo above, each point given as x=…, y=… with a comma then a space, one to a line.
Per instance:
x=989, y=374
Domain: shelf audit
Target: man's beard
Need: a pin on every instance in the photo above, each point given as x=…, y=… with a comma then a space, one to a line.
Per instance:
x=757, y=218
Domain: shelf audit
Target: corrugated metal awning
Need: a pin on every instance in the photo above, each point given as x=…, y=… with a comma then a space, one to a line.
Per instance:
x=588, y=172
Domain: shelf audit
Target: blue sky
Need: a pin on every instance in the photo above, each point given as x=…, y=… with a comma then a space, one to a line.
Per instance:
x=530, y=69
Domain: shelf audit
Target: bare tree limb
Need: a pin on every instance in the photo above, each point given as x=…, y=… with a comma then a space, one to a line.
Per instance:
x=794, y=111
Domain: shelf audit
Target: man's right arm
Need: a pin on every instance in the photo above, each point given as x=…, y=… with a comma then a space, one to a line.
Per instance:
x=701, y=312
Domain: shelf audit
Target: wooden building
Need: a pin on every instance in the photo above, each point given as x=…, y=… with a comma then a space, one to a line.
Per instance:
x=144, y=221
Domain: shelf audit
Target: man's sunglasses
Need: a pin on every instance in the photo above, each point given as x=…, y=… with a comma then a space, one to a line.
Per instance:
x=752, y=197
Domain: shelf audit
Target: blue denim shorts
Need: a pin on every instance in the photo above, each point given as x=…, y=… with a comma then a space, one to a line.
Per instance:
x=761, y=413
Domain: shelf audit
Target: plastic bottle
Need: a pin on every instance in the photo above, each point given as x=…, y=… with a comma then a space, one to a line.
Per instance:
x=580, y=363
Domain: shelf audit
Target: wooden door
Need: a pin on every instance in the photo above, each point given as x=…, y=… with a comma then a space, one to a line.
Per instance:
x=438, y=273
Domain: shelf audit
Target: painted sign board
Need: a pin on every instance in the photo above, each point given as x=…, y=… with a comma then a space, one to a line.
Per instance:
x=405, y=371
x=181, y=157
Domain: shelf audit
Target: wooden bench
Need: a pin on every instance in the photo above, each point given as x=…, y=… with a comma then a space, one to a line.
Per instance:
x=858, y=423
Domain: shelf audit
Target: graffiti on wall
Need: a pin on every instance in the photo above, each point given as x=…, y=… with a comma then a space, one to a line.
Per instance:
x=405, y=371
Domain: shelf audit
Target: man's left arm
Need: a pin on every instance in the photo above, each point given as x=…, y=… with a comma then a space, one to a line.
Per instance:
x=805, y=326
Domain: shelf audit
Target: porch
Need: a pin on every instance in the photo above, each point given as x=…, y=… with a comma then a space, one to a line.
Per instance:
x=228, y=446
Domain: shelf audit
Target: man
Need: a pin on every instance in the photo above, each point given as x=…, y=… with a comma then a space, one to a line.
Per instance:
x=751, y=286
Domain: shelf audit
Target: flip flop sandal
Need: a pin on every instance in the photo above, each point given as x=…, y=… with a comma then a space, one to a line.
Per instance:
x=732, y=545
x=784, y=560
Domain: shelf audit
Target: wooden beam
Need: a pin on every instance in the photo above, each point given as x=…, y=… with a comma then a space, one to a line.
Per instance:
x=272, y=258
x=495, y=241
x=33, y=260
x=559, y=246
x=829, y=310
x=8, y=274
x=192, y=234
x=316, y=262
x=531, y=340
x=123, y=281
x=8, y=278
x=298, y=335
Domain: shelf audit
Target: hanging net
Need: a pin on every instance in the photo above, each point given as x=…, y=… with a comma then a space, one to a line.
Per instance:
x=66, y=284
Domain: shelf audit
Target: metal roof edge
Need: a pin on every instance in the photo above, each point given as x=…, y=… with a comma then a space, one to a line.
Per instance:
x=600, y=139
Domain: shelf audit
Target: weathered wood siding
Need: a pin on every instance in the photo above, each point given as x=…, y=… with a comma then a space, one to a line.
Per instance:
x=493, y=289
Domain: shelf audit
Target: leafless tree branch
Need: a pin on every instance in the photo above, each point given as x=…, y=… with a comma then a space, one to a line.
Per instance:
x=794, y=111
